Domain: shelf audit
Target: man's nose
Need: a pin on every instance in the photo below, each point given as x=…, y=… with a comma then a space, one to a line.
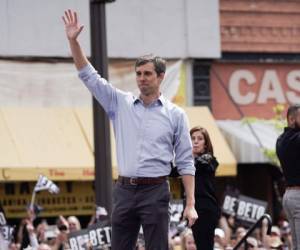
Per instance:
x=142, y=77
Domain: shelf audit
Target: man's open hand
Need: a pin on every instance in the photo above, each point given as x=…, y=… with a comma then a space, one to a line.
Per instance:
x=72, y=26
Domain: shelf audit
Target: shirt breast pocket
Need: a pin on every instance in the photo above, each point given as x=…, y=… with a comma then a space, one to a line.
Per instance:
x=159, y=132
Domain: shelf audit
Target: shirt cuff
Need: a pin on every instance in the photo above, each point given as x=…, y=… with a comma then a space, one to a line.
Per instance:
x=185, y=171
x=86, y=70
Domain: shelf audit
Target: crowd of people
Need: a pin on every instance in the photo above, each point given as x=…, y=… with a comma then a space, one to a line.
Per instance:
x=41, y=236
x=229, y=232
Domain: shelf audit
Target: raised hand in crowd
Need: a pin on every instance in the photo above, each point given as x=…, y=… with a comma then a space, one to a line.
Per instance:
x=32, y=235
x=224, y=224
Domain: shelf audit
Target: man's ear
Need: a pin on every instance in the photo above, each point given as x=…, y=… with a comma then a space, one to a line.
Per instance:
x=161, y=76
x=291, y=121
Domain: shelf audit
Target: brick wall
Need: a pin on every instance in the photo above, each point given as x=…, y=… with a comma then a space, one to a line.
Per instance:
x=260, y=26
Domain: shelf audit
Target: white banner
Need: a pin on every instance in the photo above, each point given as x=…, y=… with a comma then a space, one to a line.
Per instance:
x=44, y=183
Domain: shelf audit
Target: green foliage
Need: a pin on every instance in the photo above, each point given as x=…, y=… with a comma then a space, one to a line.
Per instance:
x=271, y=155
x=279, y=122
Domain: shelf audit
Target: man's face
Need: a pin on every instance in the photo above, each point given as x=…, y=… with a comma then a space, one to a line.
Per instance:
x=297, y=119
x=294, y=120
x=147, y=79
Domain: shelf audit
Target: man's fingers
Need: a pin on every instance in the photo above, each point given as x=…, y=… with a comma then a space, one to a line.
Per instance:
x=63, y=18
x=80, y=29
x=67, y=16
x=192, y=221
x=75, y=17
x=70, y=15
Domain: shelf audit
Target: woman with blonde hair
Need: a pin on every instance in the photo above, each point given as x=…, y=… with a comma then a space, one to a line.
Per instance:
x=74, y=224
x=187, y=240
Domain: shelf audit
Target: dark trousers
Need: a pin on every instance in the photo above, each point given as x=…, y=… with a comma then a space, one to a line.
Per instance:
x=204, y=229
x=136, y=205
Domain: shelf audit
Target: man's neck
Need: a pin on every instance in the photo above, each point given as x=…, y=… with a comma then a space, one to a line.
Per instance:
x=147, y=100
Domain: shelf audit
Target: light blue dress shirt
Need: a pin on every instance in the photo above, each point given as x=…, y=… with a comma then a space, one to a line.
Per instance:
x=148, y=138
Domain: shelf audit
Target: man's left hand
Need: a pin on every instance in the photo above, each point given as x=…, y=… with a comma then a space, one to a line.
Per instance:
x=190, y=214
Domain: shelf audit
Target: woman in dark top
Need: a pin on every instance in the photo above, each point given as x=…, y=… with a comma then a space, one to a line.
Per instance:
x=205, y=198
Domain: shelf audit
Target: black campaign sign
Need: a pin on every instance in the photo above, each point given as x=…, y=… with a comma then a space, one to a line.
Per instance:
x=2, y=216
x=244, y=208
x=96, y=236
x=230, y=204
x=7, y=232
x=175, y=210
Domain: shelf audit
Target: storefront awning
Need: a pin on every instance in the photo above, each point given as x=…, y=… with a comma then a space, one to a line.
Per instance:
x=247, y=143
x=44, y=141
x=85, y=118
x=58, y=143
x=201, y=116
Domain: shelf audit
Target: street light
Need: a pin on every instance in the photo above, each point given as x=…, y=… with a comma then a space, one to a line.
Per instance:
x=102, y=152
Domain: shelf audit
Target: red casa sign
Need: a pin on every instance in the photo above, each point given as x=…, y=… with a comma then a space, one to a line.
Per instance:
x=254, y=88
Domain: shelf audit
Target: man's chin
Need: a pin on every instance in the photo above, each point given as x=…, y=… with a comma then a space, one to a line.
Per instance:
x=145, y=93
x=297, y=126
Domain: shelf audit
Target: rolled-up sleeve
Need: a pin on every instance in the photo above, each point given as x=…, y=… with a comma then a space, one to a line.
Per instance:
x=102, y=90
x=183, y=147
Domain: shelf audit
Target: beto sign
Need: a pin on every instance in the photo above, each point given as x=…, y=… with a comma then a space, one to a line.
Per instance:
x=244, y=208
x=96, y=236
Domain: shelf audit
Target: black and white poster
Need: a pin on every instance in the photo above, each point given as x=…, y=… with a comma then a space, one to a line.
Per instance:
x=2, y=216
x=244, y=208
x=175, y=210
x=98, y=236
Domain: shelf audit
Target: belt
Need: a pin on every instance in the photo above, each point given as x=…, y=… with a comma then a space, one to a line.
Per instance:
x=293, y=188
x=141, y=180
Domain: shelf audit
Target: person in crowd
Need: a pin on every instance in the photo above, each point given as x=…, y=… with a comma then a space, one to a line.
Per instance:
x=227, y=224
x=187, y=240
x=175, y=243
x=61, y=240
x=14, y=246
x=286, y=236
x=74, y=224
x=252, y=243
x=219, y=238
x=149, y=131
x=287, y=149
x=240, y=232
x=41, y=230
x=43, y=246
x=23, y=236
x=205, y=196
x=32, y=235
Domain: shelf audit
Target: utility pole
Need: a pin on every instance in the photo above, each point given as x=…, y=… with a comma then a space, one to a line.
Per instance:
x=102, y=152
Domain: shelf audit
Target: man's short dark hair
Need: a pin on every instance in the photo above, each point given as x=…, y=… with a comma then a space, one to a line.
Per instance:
x=158, y=62
x=292, y=110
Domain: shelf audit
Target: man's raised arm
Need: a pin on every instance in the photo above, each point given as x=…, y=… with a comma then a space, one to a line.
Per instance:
x=73, y=29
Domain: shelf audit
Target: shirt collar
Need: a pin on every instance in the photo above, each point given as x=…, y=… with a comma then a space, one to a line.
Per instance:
x=161, y=100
